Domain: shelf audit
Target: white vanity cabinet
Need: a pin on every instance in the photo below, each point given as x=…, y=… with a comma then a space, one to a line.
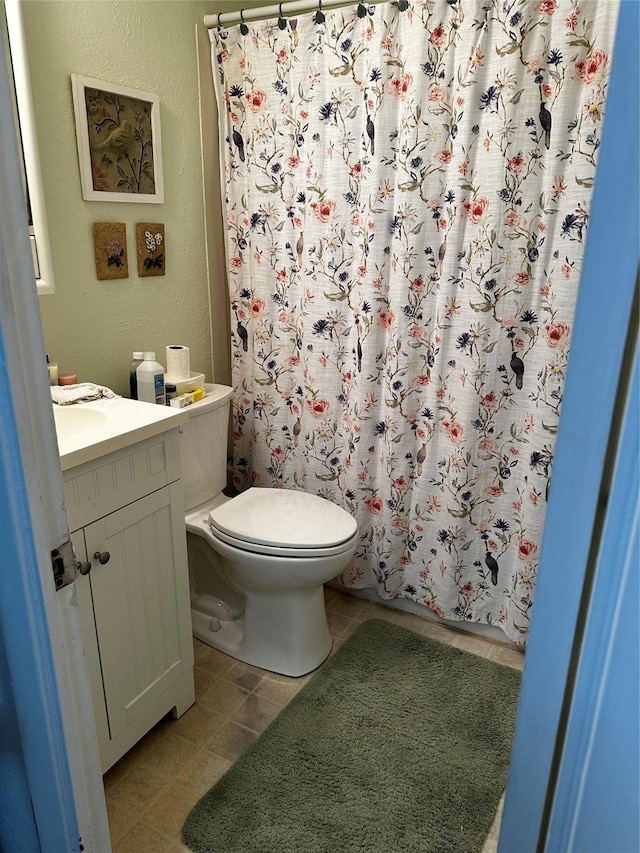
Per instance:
x=126, y=514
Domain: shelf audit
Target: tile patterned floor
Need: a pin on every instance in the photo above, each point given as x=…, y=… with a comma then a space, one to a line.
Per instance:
x=151, y=790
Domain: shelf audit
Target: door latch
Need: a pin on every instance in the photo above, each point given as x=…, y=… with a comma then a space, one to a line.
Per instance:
x=63, y=565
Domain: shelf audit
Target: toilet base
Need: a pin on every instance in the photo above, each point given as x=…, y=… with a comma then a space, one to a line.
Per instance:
x=288, y=632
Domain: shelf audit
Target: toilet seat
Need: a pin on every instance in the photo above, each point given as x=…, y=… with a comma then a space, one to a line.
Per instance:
x=255, y=521
x=284, y=552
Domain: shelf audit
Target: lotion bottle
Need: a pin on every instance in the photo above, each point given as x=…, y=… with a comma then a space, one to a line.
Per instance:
x=150, y=380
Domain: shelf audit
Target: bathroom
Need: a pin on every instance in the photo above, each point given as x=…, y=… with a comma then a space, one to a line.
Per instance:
x=88, y=328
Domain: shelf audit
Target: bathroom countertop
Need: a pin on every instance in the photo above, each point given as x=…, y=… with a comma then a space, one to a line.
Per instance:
x=87, y=431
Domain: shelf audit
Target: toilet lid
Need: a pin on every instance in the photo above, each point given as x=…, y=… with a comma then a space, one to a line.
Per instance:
x=284, y=518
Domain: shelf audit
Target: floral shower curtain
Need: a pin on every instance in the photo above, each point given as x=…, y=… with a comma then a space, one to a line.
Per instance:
x=407, y=196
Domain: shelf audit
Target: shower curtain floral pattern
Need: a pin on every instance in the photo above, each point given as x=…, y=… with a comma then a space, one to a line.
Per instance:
x=407, y=197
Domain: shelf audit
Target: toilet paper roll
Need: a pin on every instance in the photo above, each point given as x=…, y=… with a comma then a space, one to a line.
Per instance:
x=178, y=366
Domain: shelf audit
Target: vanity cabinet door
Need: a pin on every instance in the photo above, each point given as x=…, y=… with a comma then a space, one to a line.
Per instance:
x=90, y=642
x=138, y=604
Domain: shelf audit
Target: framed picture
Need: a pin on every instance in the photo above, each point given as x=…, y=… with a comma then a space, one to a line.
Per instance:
x=110, y=246
x=151, y=248
x=119, y=146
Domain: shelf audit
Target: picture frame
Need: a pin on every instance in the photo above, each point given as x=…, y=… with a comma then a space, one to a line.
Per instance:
x=151, y=249
x=119, y=142
x=110, y=248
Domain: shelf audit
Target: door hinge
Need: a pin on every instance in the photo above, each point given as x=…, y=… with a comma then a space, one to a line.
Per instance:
x=63, y=565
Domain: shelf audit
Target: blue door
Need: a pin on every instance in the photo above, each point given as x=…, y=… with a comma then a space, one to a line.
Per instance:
x=575, y=700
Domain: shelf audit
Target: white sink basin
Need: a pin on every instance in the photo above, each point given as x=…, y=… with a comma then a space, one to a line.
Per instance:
x=73, y=422
x=86, y=431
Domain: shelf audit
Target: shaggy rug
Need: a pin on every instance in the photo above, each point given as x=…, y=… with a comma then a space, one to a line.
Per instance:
x=398, y=743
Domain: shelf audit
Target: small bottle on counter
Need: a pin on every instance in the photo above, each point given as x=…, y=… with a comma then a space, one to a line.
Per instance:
x=138, y=358
x=52, y=367
x=150, y=380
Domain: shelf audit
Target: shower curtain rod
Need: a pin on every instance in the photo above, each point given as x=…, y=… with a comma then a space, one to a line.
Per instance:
x=295, y=7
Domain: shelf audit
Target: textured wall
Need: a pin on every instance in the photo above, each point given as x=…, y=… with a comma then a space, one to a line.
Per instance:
x=90, y=326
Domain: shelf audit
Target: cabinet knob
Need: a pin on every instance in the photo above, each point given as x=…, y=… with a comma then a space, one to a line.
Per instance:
x=102, y=558
x=84, y=568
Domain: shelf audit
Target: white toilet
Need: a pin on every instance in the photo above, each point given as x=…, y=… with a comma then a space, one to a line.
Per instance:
x=257, y=562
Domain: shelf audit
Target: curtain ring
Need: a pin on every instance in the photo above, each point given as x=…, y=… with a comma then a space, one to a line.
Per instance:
x=244, y=29
x=282, y=23
x=319, y=16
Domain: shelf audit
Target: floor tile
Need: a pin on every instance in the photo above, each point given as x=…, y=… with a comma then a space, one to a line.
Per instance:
x=139, y=787
x=256, y=713
x=369, y=610
x=168, y=812
x=203, y=772
x=143, y=839
x=166, y=753
x=223, y=697
x=337, y=623
x=329, y=594
x=203, y=680
x=434, y=631
x=231, y=741
x=491, y=841
x=119, y=771
x=244, y=675
x=337, y=643
x=278, y=692
x=198, y=724
x=468, y=643
x=403, y=619
x=349, y=630
x=119, y=821
x=507, y=656
x=346, y=605
x=211, y=659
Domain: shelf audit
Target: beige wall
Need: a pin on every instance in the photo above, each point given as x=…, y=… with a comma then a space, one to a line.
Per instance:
x=90, y=326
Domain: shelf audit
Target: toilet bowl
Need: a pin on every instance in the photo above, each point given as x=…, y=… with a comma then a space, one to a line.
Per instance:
x=258, y=561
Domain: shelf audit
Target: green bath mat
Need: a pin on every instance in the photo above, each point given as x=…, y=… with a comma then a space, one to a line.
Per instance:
x=399, y=743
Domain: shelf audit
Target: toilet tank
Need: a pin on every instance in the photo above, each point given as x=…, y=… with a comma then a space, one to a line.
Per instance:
x=203, y=446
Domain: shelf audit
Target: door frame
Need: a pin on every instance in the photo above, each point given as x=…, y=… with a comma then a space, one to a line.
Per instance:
x=40, y=626
x=597, y=797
